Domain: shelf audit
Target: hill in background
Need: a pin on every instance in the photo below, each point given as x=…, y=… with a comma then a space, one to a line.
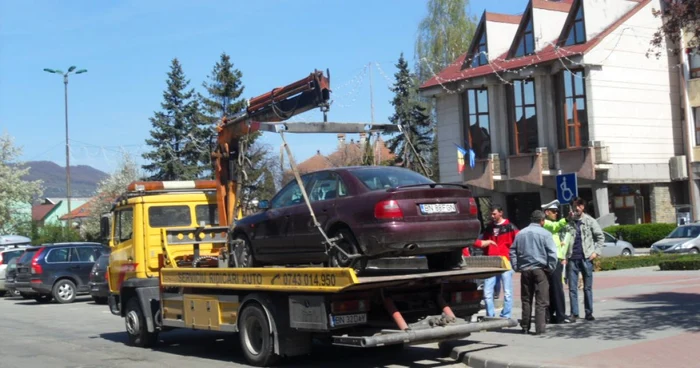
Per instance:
x=84, y=179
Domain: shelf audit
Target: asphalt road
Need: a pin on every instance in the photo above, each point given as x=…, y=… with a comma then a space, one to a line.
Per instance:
x=87, y=335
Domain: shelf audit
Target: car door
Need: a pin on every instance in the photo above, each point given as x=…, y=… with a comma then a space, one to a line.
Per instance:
x=610, y=248
x=323, y=192
x=274, y=227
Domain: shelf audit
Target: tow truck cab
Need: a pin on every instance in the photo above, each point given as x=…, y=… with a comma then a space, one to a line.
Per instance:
x=133, y=229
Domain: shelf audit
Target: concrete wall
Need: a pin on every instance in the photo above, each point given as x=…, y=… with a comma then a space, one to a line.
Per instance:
x=501, y=39
x=599, y=14
x=450, y=132
x=546, y=26
x=635, y=107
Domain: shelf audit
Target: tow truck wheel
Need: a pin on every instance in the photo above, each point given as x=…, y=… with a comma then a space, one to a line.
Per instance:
x=257, y=342
x=135, y=322
x=350, y=246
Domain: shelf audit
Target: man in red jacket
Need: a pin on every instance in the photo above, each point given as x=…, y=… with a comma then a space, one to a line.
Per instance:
x=496, y=241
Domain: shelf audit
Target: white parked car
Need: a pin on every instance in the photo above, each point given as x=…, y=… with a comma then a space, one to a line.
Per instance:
x=684, y=239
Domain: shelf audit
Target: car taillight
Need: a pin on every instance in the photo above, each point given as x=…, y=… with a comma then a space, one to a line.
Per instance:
x=349, y=306
x=36, y=267
x=472, y=206
x=0, y=259
x=466, y=297
x=388, y=210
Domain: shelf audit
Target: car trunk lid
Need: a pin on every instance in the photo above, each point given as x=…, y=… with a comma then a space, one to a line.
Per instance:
x=428, y=203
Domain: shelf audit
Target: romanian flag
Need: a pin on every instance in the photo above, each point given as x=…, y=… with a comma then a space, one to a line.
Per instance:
x=460, y=158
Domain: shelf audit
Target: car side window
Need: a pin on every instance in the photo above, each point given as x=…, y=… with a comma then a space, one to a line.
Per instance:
x=86, y=254
x=291, y=194
x=609, y=238
x=58, y=255
x=327, y=185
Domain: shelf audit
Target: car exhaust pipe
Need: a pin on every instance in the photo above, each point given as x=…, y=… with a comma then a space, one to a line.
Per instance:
x=411, y=246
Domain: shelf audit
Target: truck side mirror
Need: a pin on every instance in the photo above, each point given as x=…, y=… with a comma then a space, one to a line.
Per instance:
x=264, y=204
x=105, y=229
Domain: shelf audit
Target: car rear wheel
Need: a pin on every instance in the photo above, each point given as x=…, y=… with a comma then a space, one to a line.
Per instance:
x=694, y=251
x=445, y=261
x=244, y=253
x=257, y=342
x=348, y=244
x=136, y=327
x=64, y=291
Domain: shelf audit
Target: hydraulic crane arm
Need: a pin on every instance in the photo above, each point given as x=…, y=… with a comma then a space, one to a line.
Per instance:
x=266, y=113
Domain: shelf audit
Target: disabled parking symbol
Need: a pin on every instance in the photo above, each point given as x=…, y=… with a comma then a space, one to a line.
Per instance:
x=567, y=187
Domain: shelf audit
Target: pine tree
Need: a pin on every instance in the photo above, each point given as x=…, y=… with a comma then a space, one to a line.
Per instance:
x=224, y=90
x=415, y=119
x=176, y=134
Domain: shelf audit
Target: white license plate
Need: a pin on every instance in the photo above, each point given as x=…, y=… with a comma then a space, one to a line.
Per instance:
x=438, y=208
x=349, y=319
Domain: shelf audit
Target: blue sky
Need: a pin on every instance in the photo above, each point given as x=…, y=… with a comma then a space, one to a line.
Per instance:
x=127, y=47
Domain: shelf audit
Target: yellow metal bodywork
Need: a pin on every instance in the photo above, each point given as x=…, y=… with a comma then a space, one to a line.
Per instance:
x=139, y=255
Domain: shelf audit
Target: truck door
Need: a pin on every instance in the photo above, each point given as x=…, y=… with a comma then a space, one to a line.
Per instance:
x=122, y=258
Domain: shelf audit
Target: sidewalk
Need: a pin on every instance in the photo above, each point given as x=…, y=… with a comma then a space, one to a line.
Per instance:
x=644, y=318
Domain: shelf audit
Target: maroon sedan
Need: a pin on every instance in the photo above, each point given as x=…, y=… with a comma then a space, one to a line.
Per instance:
x=379, y=211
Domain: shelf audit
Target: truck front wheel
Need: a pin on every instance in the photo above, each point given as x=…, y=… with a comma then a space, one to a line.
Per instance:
x=257, y=342
x=136, y=328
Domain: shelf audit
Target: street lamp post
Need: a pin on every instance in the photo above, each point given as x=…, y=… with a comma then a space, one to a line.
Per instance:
x=71, y=70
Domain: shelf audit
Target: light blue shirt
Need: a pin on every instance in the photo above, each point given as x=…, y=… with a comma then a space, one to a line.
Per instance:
x=533, y=248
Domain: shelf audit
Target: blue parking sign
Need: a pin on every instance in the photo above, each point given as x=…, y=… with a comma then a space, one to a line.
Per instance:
x=567, y=187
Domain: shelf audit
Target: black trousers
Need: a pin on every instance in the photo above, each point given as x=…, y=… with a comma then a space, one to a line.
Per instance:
x=557, y=305
x=534, y=284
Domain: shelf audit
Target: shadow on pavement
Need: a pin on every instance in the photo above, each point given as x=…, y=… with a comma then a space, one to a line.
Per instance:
x=225, y=347
x=651, y=313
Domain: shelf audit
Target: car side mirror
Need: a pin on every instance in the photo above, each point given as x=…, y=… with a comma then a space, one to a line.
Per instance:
x=105, y=230
x=264, y=204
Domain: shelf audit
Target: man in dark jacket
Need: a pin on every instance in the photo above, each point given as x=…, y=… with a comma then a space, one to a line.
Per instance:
x=534, y=255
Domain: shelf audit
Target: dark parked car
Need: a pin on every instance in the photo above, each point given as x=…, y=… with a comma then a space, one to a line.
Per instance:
x=379, y=211
x=99, y=287
x=57, y=271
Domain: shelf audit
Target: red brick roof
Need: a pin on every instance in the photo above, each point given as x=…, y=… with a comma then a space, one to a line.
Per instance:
x=80, y=212
x=455, y=73
x=502, y=18
x=40, y=211
x=350, y=155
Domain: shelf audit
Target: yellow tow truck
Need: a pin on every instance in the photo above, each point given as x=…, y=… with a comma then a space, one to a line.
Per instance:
x=174, y=263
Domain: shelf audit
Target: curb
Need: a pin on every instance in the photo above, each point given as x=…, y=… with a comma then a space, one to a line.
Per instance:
x=475, y=361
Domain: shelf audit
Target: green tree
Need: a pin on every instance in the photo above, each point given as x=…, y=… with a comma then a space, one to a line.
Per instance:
x=176, y=136
x=413, y=116
x=107, y=191
x=263, y=179
x=443, y=35
x=680, y=26
x=16, y=194
x=224, y=91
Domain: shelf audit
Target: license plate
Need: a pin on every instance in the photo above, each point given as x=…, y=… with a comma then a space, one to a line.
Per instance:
x=349, y=319
x=23, y=270
x=432, y=208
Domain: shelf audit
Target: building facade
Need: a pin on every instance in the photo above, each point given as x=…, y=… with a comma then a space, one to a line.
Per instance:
x=567, y=87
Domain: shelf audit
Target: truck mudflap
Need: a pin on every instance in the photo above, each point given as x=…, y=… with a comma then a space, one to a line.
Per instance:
x=424, y=333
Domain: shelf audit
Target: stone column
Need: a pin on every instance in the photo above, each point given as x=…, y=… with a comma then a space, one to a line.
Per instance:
x=600, y=199
x=661, y=204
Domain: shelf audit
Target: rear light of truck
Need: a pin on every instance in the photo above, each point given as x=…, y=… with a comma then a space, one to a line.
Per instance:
x=472, y=206
x=388, y=210
x=349, y=306
x=36, y=267
x=465, y=297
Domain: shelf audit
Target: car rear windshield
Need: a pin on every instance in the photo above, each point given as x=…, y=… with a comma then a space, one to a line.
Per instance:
x=383, y=178
x=103, y=261
x=27, y=256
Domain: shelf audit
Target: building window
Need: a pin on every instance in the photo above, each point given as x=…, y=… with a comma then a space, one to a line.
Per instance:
x=479, y=55
x=573, y=131
x=526, y=45
x=577, y=30
x=523, y=137
x=478, y=129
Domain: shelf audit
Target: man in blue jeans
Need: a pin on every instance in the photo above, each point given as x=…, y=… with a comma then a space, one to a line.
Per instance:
x=585, y=244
